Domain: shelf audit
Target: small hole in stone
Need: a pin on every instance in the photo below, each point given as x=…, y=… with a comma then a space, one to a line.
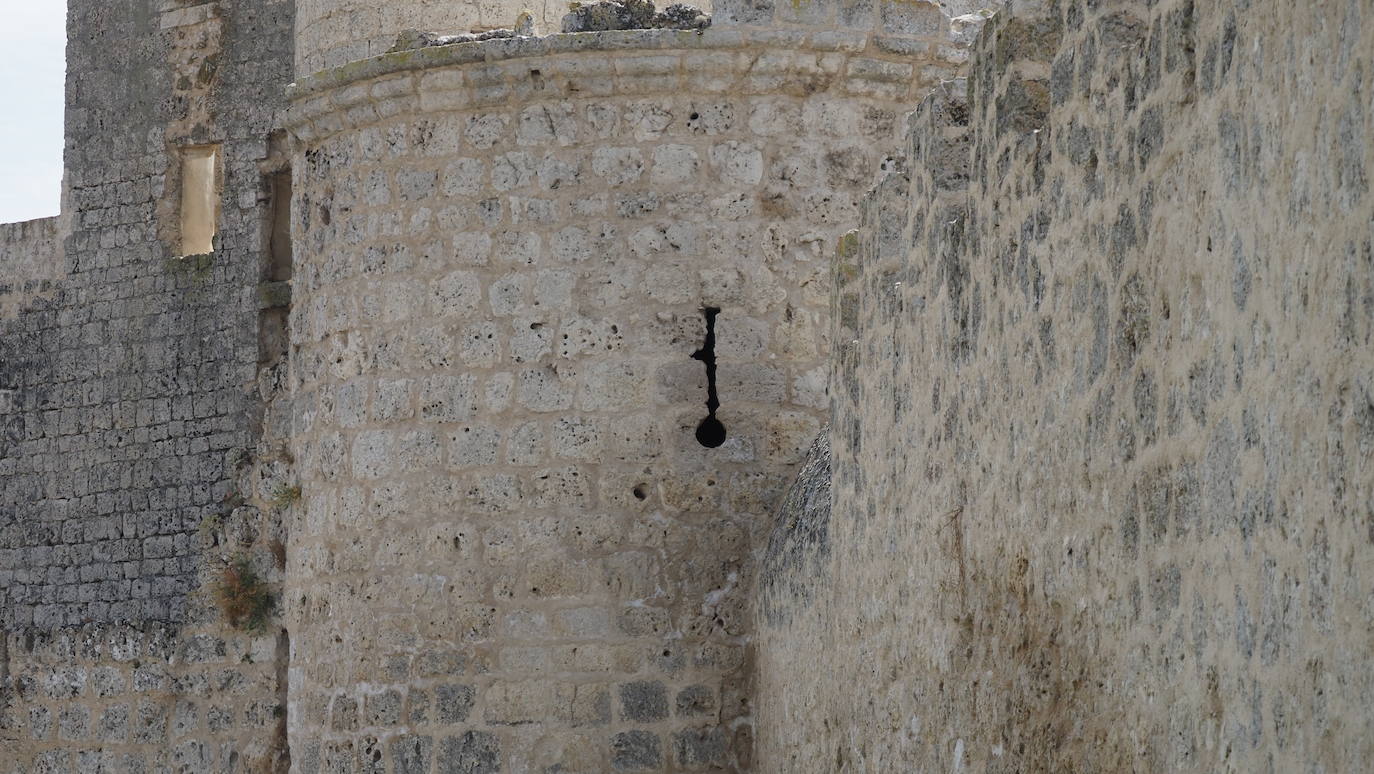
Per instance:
x=639, y=492
x=694, y=116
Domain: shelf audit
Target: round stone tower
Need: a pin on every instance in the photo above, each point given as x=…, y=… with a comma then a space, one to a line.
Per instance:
x=524, y=267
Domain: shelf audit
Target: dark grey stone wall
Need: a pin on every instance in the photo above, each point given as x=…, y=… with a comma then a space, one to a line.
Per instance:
x=133, y=388
x=132, y=384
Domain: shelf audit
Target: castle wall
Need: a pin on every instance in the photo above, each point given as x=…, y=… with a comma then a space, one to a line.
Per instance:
x=1104, y=439
x=131, y=400
x=512, y=552
x=330, y=33
x=30, y=257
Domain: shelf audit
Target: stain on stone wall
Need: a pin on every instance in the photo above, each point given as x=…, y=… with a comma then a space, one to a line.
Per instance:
x=1103, y=458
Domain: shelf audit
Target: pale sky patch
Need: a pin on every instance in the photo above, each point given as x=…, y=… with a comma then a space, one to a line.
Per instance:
x=33, y=39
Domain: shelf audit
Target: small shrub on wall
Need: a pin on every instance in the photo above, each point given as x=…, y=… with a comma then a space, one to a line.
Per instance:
x=243, y=597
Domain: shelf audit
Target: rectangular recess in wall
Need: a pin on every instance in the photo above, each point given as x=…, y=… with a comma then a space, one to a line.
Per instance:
x=199, y=198
x=278, y=267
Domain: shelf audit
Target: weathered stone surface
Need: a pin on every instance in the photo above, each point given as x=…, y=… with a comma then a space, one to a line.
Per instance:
x=497, y=397
x=1097, y=473
x=31, y=258
x=632, y=15
x=1102, y=462
x=130, y=405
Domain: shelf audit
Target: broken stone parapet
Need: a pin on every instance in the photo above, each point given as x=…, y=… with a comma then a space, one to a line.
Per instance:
x=413, y=39
x=633, y=15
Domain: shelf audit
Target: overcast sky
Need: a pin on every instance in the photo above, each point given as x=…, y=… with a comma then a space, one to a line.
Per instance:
x=33, y=36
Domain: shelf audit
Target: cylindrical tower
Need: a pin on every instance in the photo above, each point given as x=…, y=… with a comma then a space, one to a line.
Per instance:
x=515, y=552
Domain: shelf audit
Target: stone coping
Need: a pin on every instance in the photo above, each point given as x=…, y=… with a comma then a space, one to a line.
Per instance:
x=504, y=49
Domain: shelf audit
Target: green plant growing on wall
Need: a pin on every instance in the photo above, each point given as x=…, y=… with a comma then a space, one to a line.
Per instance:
x=283, y=495
x=243, y=597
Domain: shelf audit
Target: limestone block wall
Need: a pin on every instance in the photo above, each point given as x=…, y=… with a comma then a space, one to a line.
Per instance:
x=129, y=408
x=1104, y=436
x=512, y=553
x=30, y=258
x=330, y=33
x=148, y=697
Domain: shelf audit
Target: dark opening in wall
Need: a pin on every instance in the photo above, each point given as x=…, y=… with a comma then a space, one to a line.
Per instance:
x=274, y=288
x=279, y=236
x=710, y=433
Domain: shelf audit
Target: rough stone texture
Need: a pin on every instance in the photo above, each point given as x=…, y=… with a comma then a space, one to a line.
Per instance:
x=128, y=389
x=1097, y=488
x=632, y=15
x=897, y=26
x=30, y=258
x=506, y=252
x=129, y=404
x=330, y=33
x=1104, y=438
x=799, y=545
x=140, y=698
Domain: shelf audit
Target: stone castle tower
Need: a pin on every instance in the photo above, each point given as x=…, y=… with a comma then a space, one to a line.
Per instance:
x=438, y=358
x=874, y=385
x=514, y=261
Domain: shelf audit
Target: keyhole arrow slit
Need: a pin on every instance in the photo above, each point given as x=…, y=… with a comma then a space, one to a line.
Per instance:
x=710, y=433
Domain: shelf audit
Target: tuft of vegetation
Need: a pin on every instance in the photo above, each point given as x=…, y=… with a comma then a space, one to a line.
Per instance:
x=243, y=597
x=283, y=495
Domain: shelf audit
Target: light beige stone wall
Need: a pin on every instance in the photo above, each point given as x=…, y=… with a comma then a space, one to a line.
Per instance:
x=30, y=260
x=1104, y=436
x=330, y=33
x=512, y=551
